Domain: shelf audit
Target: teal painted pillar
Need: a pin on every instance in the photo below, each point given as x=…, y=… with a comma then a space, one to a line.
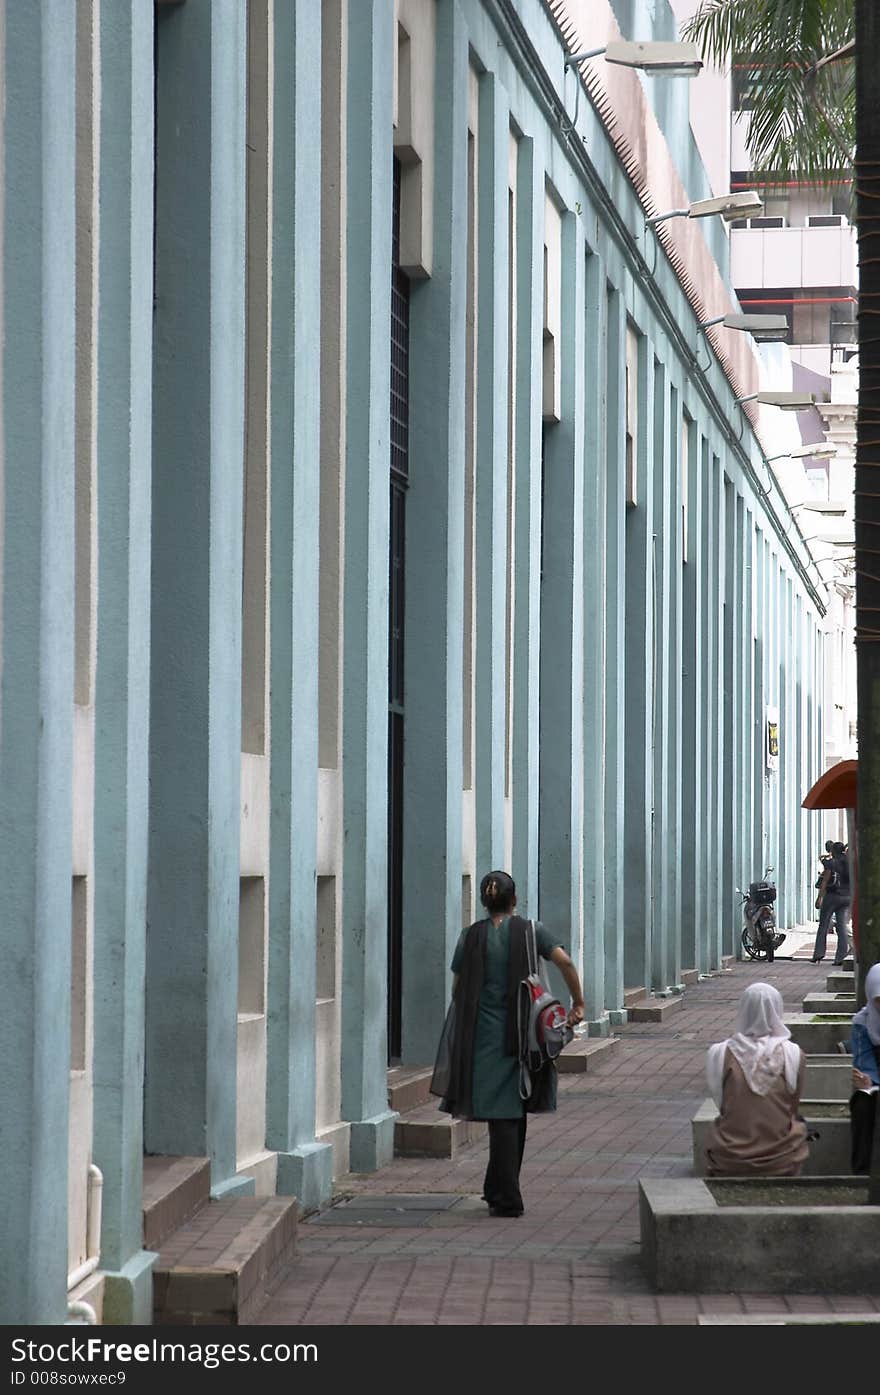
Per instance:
x=195, y=696
x=371, y=41
x=615, y=653
x=490, y=486
x=708, y=697
x=640, y=659
x=693, y=687
x=562, y=618
x=667, y=951
x=748, y=691
x=760, y=679
x=664, y=520
x=122, y=681
x=593, y=716
x=36, y=666
x=782, y=861
x=715, y=563
x=305, y=1168
x=729, y=763
x=530, y=195
x=434, y=574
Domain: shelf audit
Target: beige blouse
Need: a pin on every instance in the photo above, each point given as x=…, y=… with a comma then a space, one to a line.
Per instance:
x=757, y=1135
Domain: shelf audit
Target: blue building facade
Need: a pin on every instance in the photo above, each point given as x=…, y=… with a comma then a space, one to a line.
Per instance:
x=370, y=519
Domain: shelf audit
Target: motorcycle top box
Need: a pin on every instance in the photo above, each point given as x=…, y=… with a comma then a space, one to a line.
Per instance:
x=762, y=893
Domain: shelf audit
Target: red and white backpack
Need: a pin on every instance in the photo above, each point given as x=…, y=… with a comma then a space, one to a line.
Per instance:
x=542, y=1028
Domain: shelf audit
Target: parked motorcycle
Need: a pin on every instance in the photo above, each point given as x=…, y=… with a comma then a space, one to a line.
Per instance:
x=760, y=938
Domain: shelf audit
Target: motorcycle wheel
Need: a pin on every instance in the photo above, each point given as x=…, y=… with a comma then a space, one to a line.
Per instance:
x=749, y=945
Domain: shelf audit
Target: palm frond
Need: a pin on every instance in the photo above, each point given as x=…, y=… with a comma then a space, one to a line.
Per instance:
x=802, y=120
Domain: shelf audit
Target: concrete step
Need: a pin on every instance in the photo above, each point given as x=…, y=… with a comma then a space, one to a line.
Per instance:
x=408, y=1087
x=217, y=1268
x=654, y=1009
x=586, y=1053
x=426, y=1133
x=829, y=1002
x=728, y=961
x=174, y=1189
x=689, y=977
x=633, y=995
x=841, y=982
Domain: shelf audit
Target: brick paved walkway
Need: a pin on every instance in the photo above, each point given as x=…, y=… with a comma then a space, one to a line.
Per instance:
x=456, y=1265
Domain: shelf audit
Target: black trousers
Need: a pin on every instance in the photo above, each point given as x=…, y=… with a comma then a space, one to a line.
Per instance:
x=862, y=1108
x=507, y=1141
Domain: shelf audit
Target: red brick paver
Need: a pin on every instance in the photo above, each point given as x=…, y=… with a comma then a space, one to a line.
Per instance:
x=573, y=1258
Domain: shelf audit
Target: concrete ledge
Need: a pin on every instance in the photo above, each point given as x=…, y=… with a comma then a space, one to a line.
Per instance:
x=128, y=1292
x=829, y=1154
x=692, y=1244
x=426, y=1133
x=232, y=1187
x=828, y=1077
x=408, y=1087
x=689, y=977
x=841, y=982
x=785, y=1319
x=818, y=1038
x=654, y=1009
x=599, y=1026
x=173, y=1190
x=307, y=1173
x=829, y=1002
x=584, y=1054
x=372, y=1142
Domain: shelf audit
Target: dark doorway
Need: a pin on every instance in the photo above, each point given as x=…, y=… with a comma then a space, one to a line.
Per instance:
x=399, y=479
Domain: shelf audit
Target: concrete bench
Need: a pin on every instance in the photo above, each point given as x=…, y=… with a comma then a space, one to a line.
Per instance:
x=829, y=1153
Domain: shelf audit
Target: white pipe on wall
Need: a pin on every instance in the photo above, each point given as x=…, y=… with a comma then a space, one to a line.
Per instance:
x=93, y=1228
x=84, y=1311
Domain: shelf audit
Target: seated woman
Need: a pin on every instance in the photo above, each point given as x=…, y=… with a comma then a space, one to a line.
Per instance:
x=756, y=1077
x=865, y=1047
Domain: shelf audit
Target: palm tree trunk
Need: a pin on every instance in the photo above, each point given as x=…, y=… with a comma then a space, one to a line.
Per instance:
x=867, y=504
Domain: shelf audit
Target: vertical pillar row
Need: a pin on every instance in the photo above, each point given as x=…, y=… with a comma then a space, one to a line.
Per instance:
x=562, y=613
x=491, y=473
x=36, y=674
x=305, y=1167
x=195, y=691
x=435, y=589
x=615, y=654
x=122, y=683
x=371, y=46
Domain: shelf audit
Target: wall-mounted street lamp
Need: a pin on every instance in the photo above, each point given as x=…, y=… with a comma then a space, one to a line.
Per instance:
x=729, y=206
x=761, y=327
x=787, y=401
x=669, y=59
x=821, y=451
x=831, y=510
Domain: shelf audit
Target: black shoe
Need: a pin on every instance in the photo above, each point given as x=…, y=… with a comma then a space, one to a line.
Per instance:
x=503, y=1211
x=817, y=961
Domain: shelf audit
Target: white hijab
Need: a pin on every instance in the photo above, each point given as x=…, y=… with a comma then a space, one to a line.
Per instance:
x=869, y=1017
x=761, y=1045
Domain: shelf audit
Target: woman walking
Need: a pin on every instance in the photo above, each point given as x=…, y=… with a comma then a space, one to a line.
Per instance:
x=756, y=1078
x=865, y=1047
x=490, y=961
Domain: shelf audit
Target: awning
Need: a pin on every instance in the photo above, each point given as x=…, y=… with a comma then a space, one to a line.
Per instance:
x=836, y=789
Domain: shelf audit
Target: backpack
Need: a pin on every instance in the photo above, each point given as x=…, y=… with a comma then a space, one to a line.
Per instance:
x=542, y=1029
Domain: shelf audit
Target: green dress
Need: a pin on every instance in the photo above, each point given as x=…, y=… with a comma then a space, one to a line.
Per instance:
x=496, y=1075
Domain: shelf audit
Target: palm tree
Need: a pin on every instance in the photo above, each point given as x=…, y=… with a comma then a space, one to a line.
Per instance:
x=814, y=71
x=797, y=59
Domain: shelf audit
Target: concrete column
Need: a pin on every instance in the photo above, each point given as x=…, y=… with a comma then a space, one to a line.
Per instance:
x=36, y=632
x=195, y=697
x=562, y=617
x=122, y=684
x=759, y=788
x=640, y=660
x=695, y=733
x=667, y=949
x=371, y=44
x=593, y=714
x=434, y=579
x=615, y=653
x=718, y=912
x=527, y=524
x=730, y=563
x=305, y=1167
x=491, y=473
x=665, y=521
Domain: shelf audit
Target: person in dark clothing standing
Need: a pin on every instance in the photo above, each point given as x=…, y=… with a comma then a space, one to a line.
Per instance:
x=834, y=899
x=490, y=960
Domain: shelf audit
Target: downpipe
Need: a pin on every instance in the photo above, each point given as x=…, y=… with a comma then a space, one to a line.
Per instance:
x=93, y=1238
